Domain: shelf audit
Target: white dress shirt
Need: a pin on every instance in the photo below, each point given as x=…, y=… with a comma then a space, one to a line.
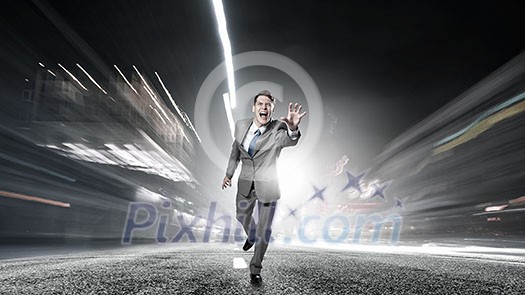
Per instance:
x=251, y=134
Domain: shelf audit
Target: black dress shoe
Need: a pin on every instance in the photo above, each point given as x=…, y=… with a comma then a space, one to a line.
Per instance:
x=255, y=279
x=247, y=245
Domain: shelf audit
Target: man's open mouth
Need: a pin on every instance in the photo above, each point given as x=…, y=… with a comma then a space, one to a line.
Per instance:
x=263, y=115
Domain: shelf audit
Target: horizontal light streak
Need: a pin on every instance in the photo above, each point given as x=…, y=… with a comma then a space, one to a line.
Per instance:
x=131, y=157
x=484, y=122
x=33, y=199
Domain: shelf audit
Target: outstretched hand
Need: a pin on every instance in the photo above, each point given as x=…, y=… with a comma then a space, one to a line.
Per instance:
x=294, y=116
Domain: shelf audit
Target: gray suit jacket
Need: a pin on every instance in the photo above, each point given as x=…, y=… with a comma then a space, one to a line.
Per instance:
x=260, y=170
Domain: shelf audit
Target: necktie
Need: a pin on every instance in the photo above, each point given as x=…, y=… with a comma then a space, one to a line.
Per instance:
x=251, y=148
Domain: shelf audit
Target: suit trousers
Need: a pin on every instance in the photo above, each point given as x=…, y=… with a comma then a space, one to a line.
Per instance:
x=258, y=232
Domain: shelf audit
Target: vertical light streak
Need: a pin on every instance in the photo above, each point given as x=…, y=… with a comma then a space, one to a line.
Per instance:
x=229, y=113
x=226, y=45
x=72, y=76
x=91, y=78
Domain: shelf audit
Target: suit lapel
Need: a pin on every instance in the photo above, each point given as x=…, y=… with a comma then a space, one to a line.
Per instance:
x=245, y=126
x=262, y=140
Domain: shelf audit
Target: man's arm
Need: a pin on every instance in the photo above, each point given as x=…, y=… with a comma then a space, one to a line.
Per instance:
x=233, y=161
x=285, y=136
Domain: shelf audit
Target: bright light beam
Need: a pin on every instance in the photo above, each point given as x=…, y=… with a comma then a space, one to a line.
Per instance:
x=72, y=76
x=229, y=113
x=169, y=96
x=34, y=199
x=91, y=78
x=152, y=95
x=225, y=39
x=185, y=119
x=239, y=262
x=126, y=80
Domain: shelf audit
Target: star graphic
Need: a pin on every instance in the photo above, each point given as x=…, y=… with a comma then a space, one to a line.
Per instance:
x=318, y=193
x=398, y=203
x=292, y=212
x=353, y=182
x=379, y=191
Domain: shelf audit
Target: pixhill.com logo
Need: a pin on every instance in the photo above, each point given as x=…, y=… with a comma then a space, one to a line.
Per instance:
x=157, y=222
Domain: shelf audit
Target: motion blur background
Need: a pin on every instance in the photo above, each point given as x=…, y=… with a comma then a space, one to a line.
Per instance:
x=423, y=116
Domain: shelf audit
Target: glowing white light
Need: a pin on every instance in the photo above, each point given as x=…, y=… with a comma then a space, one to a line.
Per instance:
x=508, y=255
x=225, y=39
x=123, y=155
x=91, y=78
x=132, y=158
x=72, y=76
x=229, y=113
x=495, y=208
x=80, y=153
x=142, y=156
x=98, y=157
x=163, y=153
x=238, y=262
x=49, y=71
x=41, y=64
x=144, y=194
x=126, y=80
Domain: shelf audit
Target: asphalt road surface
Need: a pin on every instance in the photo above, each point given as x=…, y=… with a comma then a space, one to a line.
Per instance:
x=220, y=269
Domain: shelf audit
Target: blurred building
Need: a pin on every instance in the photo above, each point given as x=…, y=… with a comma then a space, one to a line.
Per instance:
x=109, y=144
x=465, y=157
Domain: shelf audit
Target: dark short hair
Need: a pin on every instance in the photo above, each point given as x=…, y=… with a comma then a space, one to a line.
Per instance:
x=263, y=93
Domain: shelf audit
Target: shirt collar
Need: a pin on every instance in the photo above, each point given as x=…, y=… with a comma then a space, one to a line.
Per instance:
x=254, y=128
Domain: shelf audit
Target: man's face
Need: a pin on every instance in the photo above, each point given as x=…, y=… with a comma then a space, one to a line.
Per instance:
x=262, y=110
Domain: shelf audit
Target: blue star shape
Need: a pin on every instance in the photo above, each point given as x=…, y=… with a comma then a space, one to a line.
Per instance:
x=318, y=193
x=353, y=182
x=379, y=191
x=292, y=212
x=398, y=203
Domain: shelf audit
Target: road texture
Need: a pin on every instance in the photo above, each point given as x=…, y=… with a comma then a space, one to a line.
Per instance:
x=209, y=269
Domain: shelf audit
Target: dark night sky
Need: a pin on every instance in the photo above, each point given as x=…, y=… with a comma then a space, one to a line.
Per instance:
x=380, y=67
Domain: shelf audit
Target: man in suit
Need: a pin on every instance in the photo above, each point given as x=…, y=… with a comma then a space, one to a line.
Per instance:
x=257, y=144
